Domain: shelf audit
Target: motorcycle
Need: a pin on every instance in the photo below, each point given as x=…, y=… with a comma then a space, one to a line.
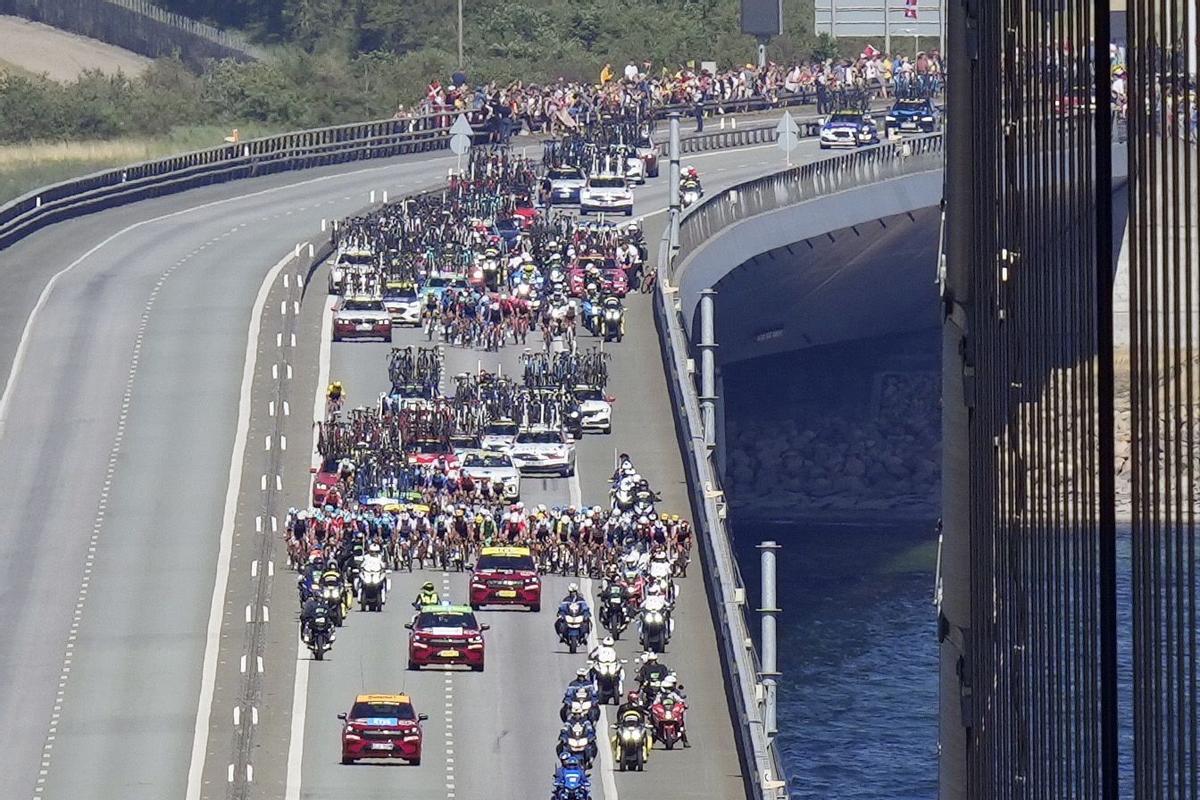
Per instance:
x=372, y=590
x=571, y=783
x=653, y=630
x=690, y=194
x=613, y=614
x=668, y=721
x=332, y=595
x=577, y=739
x=610, y=681
x=613, y=325
x=579, y=705
x=320, y=635
x=573, y=627
x=631, y=744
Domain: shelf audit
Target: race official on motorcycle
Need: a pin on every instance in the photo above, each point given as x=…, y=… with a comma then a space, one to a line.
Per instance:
x=308, y=612
x=632, y=707
x=653, y=670
x=582, y=680
x=373, y=560
x=427, y=596
x=603, y=651
x=573, y=596
x=672, y=691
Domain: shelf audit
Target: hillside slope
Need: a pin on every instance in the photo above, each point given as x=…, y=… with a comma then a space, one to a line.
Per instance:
x=38, y=48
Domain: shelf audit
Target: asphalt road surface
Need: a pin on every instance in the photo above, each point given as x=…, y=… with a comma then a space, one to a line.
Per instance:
x=156, y=420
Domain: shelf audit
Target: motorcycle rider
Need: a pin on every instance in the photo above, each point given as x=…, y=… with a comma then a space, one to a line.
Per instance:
x=632, y=707
x=672, y=691
x=603, y=651
x=427, y=596
x=573, y=596
x=373, y=562
x=582, y=680
x=652, y=671
x=308, y=612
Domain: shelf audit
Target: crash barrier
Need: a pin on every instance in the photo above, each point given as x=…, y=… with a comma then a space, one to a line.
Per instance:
x=761, y=762
x=139, y=26
x=863, y=166
x=742, y=137
x=251, y=158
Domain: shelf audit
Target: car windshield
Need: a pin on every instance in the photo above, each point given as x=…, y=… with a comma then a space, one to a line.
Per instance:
x=437, y=283
x=464, y=441
x=607, y=183
x=539, y=437
x=502, y=429
x=362, y=305
x=408, y=391
x=564, y=174
x=446, y=619
x=506, y=225
x=402, y=711
x=356, y=258
x=846, y=116
x=429, y=447
x=329, y=465
x=400, y=294
x=911, y=105
x=588, y=393
x=487, y=460
x=517, y=563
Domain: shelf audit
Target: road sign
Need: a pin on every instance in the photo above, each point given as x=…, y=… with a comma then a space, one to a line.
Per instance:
x=789, y=135
x=461, y=126
x=460, y=138
x=460, y=144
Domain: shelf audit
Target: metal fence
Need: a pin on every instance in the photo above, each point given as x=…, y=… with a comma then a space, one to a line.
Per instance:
x=816, y=178
x=1164, y=392
x=227, y=39
x=727, y=594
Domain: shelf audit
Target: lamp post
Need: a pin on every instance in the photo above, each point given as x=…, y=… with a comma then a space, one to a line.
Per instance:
x=460, y=34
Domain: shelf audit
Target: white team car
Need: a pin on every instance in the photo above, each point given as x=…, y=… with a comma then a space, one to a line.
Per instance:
x=489, y=465
x=402, y=303
x=607, y=193
x=349, y=261
x=595, y=408
x=635, y=170
x=499, y=434
x=543, y=450
x=361, y=317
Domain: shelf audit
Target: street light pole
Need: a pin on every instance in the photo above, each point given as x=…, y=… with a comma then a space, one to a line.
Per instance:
x=460, y=34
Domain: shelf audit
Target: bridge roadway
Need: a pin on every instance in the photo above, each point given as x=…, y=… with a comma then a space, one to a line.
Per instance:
x=136, y=447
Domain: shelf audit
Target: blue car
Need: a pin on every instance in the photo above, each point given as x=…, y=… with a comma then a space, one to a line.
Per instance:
x=847, y=128
x=437, y=285
x=912, y=115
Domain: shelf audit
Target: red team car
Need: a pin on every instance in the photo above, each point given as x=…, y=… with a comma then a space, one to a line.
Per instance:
x=381, y=726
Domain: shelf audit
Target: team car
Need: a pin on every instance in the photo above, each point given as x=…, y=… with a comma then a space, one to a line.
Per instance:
x=361, y=317
x=494, y=467
x=430, y=451
x=541, y=449
x=445, y=635
x=347, y=264
x=649, y=152
x=403, y=303
x=505, y=576
x=595, y=408
x=437, y=285
x=848, y=128
x=606, y=193
x=499, y=434
x=609, y=279
x=911, y=115
x=325, y=478
x=564, y=184
x=381, y=726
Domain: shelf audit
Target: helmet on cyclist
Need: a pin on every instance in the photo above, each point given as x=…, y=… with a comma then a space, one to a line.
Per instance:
x=427, y=586
x=608, y=641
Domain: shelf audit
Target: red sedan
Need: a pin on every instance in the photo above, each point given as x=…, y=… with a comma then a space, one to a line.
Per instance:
x=381, y=726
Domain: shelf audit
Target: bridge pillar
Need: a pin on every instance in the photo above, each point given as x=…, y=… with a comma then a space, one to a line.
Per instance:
x=769, y=669
x=708, y=368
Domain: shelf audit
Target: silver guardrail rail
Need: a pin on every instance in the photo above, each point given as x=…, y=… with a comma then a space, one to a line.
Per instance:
x=766, y=775
x=825, y=176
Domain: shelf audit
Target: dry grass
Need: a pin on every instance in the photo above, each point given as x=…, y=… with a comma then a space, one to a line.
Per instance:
x=25, y=167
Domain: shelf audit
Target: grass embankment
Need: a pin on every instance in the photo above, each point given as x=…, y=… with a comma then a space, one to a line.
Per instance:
x=25, y=167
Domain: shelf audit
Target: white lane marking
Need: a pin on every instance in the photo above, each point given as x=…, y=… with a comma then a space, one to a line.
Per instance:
x=607, y=779
x=23, y=342
x=212, y=646
x=237, y=716
x=295, y=761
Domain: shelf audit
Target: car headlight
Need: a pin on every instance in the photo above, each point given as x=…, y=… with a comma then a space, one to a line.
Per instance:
x=927, y=119
x=890, y=118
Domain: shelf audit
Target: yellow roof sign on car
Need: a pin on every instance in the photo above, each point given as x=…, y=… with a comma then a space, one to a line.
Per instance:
x=382, y=698
x=504, y=551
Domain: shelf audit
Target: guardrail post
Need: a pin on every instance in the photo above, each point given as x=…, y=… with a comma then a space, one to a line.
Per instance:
x=769, y=670
x=673, y=177
x=708, y=370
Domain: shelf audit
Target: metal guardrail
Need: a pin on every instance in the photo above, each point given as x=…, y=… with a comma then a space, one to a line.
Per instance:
x=727, y=593
x=297, y=150
x=866, y=165
x=227, y=39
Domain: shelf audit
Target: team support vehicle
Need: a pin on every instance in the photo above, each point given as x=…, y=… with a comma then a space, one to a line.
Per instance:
x=911, y=115
x=499, y=434
x=361, y=317
x=347, y=265
x=381, y=726
x=542, y=450
x=848, y=128
x=609, y=194
x=595, y=408
x=446, y=635
x=564, y=184
x=493, y=467
x=403, y=303
x=325, y=480
x=506, y=576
